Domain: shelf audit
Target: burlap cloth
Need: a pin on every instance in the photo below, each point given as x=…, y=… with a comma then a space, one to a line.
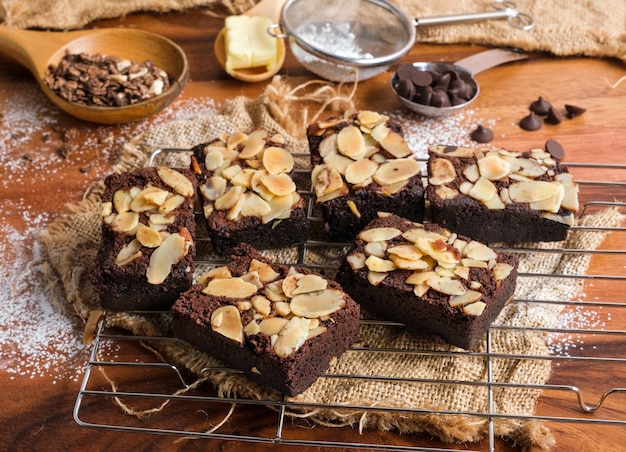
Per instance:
x=70, y=244
x=564, y=27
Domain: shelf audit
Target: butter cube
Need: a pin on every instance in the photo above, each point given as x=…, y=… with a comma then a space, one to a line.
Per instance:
x=248, y=44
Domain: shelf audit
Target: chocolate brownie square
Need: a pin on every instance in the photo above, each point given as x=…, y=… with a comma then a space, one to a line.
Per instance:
x=362, y=166
x=280, y=325
x=248, y=192
x=146, y=255
x=430, y=279
x=496, y=195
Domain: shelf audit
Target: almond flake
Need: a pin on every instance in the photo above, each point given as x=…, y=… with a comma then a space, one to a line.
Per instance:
x=265, y=271
x=176, y=181
x=421, y=277
x=230, y=287
x=350, y=142
x=570, y=194
x=328, y=146
x=277, y=160
x=379, y=234
x=493, y=167
x=377, y=249
x=252, y=148
x=291, y=337
x=483, y=190
x=447, y=285
x=226, y=321
x=171, y=203
x=148, y=237
x=125, y=222
x=169, y=253
x=262, y=305
x=129, y=253
x=279, y=184
x=214, y=188
x=360, y=170
x=479, y=251
x=376, y=264
x=339, y=162
x=468, y=297
x=228, y=199
x=532, y=191
x=445, y=192
x=525, y=167
x=272, y=325
x=395, y=145
x=408, y=264
x=475, y=309
x=396, y=170
x=326, y=179
x=122, y=200
x=356, y=261
x=501, y=271
x=244, y=178
x=314, y=305
x=375, y=278
x=236, y=139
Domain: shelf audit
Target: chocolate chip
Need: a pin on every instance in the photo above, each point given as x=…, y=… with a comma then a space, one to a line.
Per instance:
x=481, y=135
x=425, y=96
x=555, y=149
x=440, y=98
x=553, y=117
x=540, y=106
x=530, y=122
x=443, y=81
x=405, y=70
x=573, y=111
x=421, y=78
x=405, y=88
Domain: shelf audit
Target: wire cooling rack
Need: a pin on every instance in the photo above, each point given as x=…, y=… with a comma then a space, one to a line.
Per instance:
x=585, y=394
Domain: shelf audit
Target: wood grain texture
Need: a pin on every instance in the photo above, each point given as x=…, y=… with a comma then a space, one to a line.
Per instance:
x=36, y=414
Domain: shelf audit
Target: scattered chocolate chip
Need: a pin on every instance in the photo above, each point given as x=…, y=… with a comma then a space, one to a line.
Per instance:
x=540, y=106
x=481, y=135
x=555, y=149
x=530, y=122
x=553, y=117
x=573, y=111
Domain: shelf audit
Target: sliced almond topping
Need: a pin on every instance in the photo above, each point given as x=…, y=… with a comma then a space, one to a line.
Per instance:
x=410, y=252
x=483, y=190
x=230, y=287
x=350, y=142
x=328, y=146
x=314, y=305
x=252, y=148
x=169, y=253
x=439, y=250
x=475, y=309
x=300, y=284
x=226, y=321
x=122, y=200
x=379, y=234
x=277, y=160
x=420, y=289
x=501, y=271
x=313, y=332
x=396, y=170
x=291, y=337
x=176, y=181
x=280, y=207
x=377, y=249
x=274, y=291
x=395, y=145
x=462, y=272
x=479, y=251
x=525, y=167
x=326, y=179
x=466, y=262
x=265, y=271
x=380, y=132
x=441, y=171
x=420, y=277
x=214, y=273
x=282, y=308
x=465, y=187
x=236, y=139
x=445, y=192
x=254, y=206
x=148, y=237
x=228, y=199
x=493, y=167
x=253, y=278
x=471, y=173
x=418, y=233
x=252, y=328
x=468, y=297
x=360, y=170
x=370, y=118
x=447, y=285
x=214, y=188
x=343, y=191
x=213, y=160
x=375, y=278
x=376, y=264
x=461, y=152
x=107, y=208
x=532, y=191
x=494, y=203
x=272, y=325
x=129, y=253
x=570, y=195
x=279, y=184
x=339, y=162
x=261, y=304
x=125, y=222
x=244, y=178
x=408, y=264
x=356, y=261
x=231, y=171
x=353, y=208
x=172, y=203
x=551, y=204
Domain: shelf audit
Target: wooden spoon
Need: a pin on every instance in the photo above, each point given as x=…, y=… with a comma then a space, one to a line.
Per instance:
x=267, y=8
x=36, y=50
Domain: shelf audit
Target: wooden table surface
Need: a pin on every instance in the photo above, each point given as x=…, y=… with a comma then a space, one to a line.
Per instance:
x=36, y=412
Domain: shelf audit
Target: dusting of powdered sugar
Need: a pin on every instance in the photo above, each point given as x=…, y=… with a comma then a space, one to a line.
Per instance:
x=37, y=336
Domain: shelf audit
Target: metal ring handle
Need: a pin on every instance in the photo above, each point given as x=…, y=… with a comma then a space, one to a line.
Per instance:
x=516, y=18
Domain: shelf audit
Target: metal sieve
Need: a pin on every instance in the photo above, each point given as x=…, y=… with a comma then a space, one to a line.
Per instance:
x=358, y=39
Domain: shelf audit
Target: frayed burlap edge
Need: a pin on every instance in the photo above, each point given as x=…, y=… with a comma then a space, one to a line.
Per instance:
x=70, y=243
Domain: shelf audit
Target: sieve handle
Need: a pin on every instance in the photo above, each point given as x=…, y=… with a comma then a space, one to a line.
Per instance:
x=504, y=10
